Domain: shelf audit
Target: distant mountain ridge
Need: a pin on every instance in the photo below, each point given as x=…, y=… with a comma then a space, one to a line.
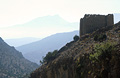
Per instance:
x=40, y=27
x=51, y=20
x=12, y=62
x=20, y=41
x=34, y=51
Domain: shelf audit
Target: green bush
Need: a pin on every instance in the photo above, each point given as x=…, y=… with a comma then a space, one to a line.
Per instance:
x=101, y=59
x=76, y=38
x=49, y=56
x=102, y=51
x=100, y=37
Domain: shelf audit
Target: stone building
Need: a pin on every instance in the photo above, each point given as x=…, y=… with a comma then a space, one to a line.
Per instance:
x=90, y=23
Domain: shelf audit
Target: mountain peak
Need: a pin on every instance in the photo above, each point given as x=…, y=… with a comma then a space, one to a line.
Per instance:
x=56, y=16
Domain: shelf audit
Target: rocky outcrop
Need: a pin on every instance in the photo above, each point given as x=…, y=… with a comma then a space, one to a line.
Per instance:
x=12, y=62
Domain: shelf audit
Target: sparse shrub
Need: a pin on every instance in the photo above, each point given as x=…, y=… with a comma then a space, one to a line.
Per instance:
x=96, y=37
x=100, y=37
x=101, y=59
x=102, y=51
x=76, y=38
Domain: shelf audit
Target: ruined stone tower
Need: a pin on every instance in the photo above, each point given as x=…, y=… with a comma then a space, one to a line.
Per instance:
x=90, y=23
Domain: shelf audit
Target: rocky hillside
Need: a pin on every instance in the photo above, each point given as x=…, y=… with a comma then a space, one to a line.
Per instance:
x=95, y=55
x=12, y=62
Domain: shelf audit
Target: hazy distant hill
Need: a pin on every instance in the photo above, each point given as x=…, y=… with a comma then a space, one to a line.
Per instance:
x=12, y=62
x=34, y=51
x=40, y=27
x=21, y=41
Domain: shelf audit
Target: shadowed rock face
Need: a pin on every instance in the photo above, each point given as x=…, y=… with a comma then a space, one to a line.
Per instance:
x=75, y=62
x=91, y=23
x=12, y=62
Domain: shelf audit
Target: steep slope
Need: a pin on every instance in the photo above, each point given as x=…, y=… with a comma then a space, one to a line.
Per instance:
x=90, y=57
x=12, y=62
x=34, y=51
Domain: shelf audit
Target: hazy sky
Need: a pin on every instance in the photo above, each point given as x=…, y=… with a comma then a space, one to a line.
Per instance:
x=20, y=11
x=14, y=12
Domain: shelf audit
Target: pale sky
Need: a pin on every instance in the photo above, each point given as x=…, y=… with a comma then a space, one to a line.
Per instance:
x=14, y=12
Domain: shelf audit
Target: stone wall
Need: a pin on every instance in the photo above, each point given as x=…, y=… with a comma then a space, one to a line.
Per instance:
x=90, y=23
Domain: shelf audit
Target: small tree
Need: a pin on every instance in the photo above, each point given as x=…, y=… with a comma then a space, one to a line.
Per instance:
x=49, y=56
x=76, y=38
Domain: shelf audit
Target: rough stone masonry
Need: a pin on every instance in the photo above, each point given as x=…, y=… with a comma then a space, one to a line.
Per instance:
x=90, y=23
